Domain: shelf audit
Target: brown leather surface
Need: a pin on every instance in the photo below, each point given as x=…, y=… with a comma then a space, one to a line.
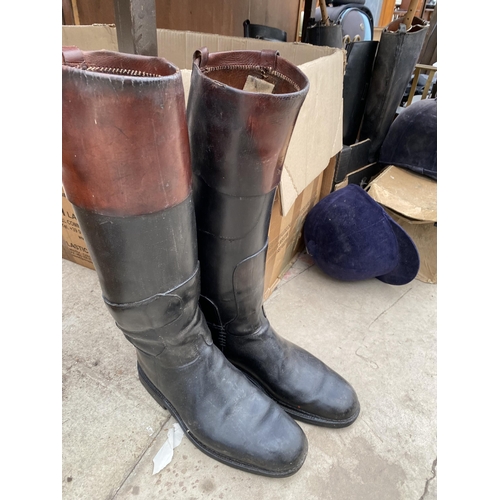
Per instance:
x=223, y=67
x=157, y=66
x=124, y=138
x=416, y=25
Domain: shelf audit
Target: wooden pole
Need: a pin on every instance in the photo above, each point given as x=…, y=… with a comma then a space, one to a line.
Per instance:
x=76, y=15
x=136, y=26
x=386, y=14
x=325, y=19
x=410, y=13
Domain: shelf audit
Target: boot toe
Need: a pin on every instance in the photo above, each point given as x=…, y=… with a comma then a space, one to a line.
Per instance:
x=258, y=436
x=306, y=387
x=231, y=420
x=340, y=403
x=286, y=444
x=275, y=448
x=261, y=434
x=328, y=400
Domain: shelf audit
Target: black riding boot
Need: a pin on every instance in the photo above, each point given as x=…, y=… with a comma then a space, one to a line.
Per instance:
x=126, y=169
x=238, y=144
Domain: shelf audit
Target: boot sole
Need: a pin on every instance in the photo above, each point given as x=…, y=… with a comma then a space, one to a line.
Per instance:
x=167, y=405
x=303, y=416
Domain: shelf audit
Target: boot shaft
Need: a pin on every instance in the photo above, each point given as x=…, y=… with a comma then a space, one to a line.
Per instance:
x=140, y=259
x=239, y=139
x=126, y=169
x=125, y=142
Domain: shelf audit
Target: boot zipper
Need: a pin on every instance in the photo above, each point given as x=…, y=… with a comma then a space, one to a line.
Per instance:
x=74, y=57
x=221, y=336
x=120, y=71
x=265, y=72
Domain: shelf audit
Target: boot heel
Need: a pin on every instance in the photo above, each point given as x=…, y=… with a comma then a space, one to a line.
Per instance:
x=153, y=391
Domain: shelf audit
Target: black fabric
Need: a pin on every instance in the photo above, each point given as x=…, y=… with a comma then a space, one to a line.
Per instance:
x=335, y=3
x=395, y=61
x=263, y=32
x=329, y=36
x=419, y=89
x=358, y=72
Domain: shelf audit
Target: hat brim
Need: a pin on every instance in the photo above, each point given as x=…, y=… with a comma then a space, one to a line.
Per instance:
x=409, y=259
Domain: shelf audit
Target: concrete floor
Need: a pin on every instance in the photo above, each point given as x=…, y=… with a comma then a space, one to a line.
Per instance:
x=381, y=338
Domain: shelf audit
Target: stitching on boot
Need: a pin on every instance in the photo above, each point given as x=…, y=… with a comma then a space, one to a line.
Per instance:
x=263, y=70
x=121, y=71
x=221, y=336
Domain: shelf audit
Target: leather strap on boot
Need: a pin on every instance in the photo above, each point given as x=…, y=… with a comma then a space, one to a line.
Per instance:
x=73, y=56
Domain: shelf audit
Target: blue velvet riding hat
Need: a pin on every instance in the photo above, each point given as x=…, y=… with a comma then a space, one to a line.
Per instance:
x=411, y=141
x=351, y=238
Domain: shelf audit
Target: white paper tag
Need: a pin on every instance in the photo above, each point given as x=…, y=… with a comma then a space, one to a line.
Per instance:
x=254, y=84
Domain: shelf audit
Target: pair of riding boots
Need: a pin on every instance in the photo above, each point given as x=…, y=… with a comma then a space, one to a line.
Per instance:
x=174, y=206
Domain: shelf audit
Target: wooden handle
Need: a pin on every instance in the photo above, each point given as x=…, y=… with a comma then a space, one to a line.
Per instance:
x=410, y=14
x=325, y=19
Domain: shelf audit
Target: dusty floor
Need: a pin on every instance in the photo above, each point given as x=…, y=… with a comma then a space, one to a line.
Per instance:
x=381, y=338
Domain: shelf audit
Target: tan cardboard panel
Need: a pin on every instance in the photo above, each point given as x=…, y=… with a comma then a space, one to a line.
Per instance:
x=74, y=247
x=179, y=46
x=411, y=195
x=285, y=234
x=95, y=37
x=317, y=136
x=425, y=238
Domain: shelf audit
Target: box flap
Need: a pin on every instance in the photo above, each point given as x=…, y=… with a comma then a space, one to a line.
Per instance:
x=95, y=37
x=411, y=195
x=317, y=136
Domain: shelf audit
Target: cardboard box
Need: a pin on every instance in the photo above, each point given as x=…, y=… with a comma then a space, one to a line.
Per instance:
x=74, y=247
x=285, y=231
x=411, y=200
x=316, y=140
